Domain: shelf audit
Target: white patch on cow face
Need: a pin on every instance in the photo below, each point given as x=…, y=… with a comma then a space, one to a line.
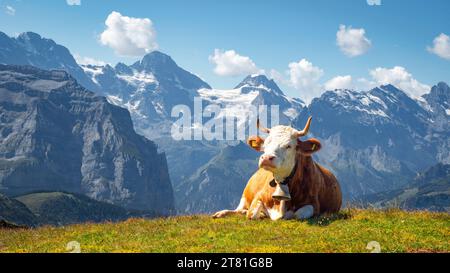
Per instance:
x=281, y=143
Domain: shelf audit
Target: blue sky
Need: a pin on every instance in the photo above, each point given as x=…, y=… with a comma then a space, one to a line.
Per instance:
x=272, y=34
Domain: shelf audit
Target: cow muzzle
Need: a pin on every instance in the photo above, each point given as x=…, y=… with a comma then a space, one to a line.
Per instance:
x=281, y=192
x=266, y=162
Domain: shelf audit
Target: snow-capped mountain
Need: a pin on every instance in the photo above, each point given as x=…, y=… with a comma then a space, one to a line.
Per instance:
x=148, y=88
x=255, y=90
x=151, y=87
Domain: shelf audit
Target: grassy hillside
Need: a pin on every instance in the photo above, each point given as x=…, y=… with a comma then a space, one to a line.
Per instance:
x=430, y=190
x=59, y=208
x=349, y=231
x=15, y=213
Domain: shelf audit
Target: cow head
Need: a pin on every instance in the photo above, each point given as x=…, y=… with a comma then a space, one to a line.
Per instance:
x=280, y=150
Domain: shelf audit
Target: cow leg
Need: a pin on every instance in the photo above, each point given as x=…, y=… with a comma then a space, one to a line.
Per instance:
x=277, y=212
x=241, y=209
x=257, y=210
x=226, y=212
x=305, y=212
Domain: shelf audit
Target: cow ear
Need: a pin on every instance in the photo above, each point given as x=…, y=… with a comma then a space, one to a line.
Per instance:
x=308, y=147
x=255, y=142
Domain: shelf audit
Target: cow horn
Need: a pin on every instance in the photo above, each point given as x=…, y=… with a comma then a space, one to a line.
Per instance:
x=306, y=129
x=263, y=129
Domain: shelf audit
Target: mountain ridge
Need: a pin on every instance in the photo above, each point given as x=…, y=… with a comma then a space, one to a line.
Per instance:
x=29, y=48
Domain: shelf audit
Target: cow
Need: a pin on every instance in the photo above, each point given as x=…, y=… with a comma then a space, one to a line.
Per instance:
x=288, y=183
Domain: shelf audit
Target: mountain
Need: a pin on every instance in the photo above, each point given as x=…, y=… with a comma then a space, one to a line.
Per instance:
x=430, y=190
x=30, y=48
x=376, y=140
x=438, y=103
x=149, y=88
x=270, y=94
x=436, y=172
x=219, y=183
x=254, y=90
x=58, y=136
x=14, y=213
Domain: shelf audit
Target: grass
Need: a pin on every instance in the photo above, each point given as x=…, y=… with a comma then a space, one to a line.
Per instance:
x=349, y=231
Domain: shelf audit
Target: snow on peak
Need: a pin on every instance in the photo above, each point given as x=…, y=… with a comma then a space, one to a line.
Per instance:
x=351, y=100
x=93, y=71
x=260, y=81
x=233, y=103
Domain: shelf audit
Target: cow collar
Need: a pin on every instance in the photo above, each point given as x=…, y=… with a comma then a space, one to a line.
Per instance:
x=288, y=179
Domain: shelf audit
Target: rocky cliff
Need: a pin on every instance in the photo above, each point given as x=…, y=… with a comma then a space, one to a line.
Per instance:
x=57, y=136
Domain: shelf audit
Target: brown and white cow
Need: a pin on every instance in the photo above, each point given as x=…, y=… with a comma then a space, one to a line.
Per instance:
x=288, y=184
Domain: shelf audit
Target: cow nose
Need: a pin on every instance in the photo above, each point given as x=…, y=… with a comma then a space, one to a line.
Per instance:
x=268, y=157
x=267, y=161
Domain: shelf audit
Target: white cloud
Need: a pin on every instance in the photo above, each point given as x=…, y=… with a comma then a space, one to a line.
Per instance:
x=230, y=63
x=352, y=41
x=441, y=46
x=10, y=10
x=374, y=2
x=363, y=84
x=277, y=76
x=87, y=60
x=129, y=36
x=73, y=2
x=304, y=77
x=401, y=78
x=339, y=82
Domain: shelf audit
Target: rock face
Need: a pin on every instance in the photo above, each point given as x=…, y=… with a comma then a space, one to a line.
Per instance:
x=438, y=104
x=218, y=184
x=57, y=136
